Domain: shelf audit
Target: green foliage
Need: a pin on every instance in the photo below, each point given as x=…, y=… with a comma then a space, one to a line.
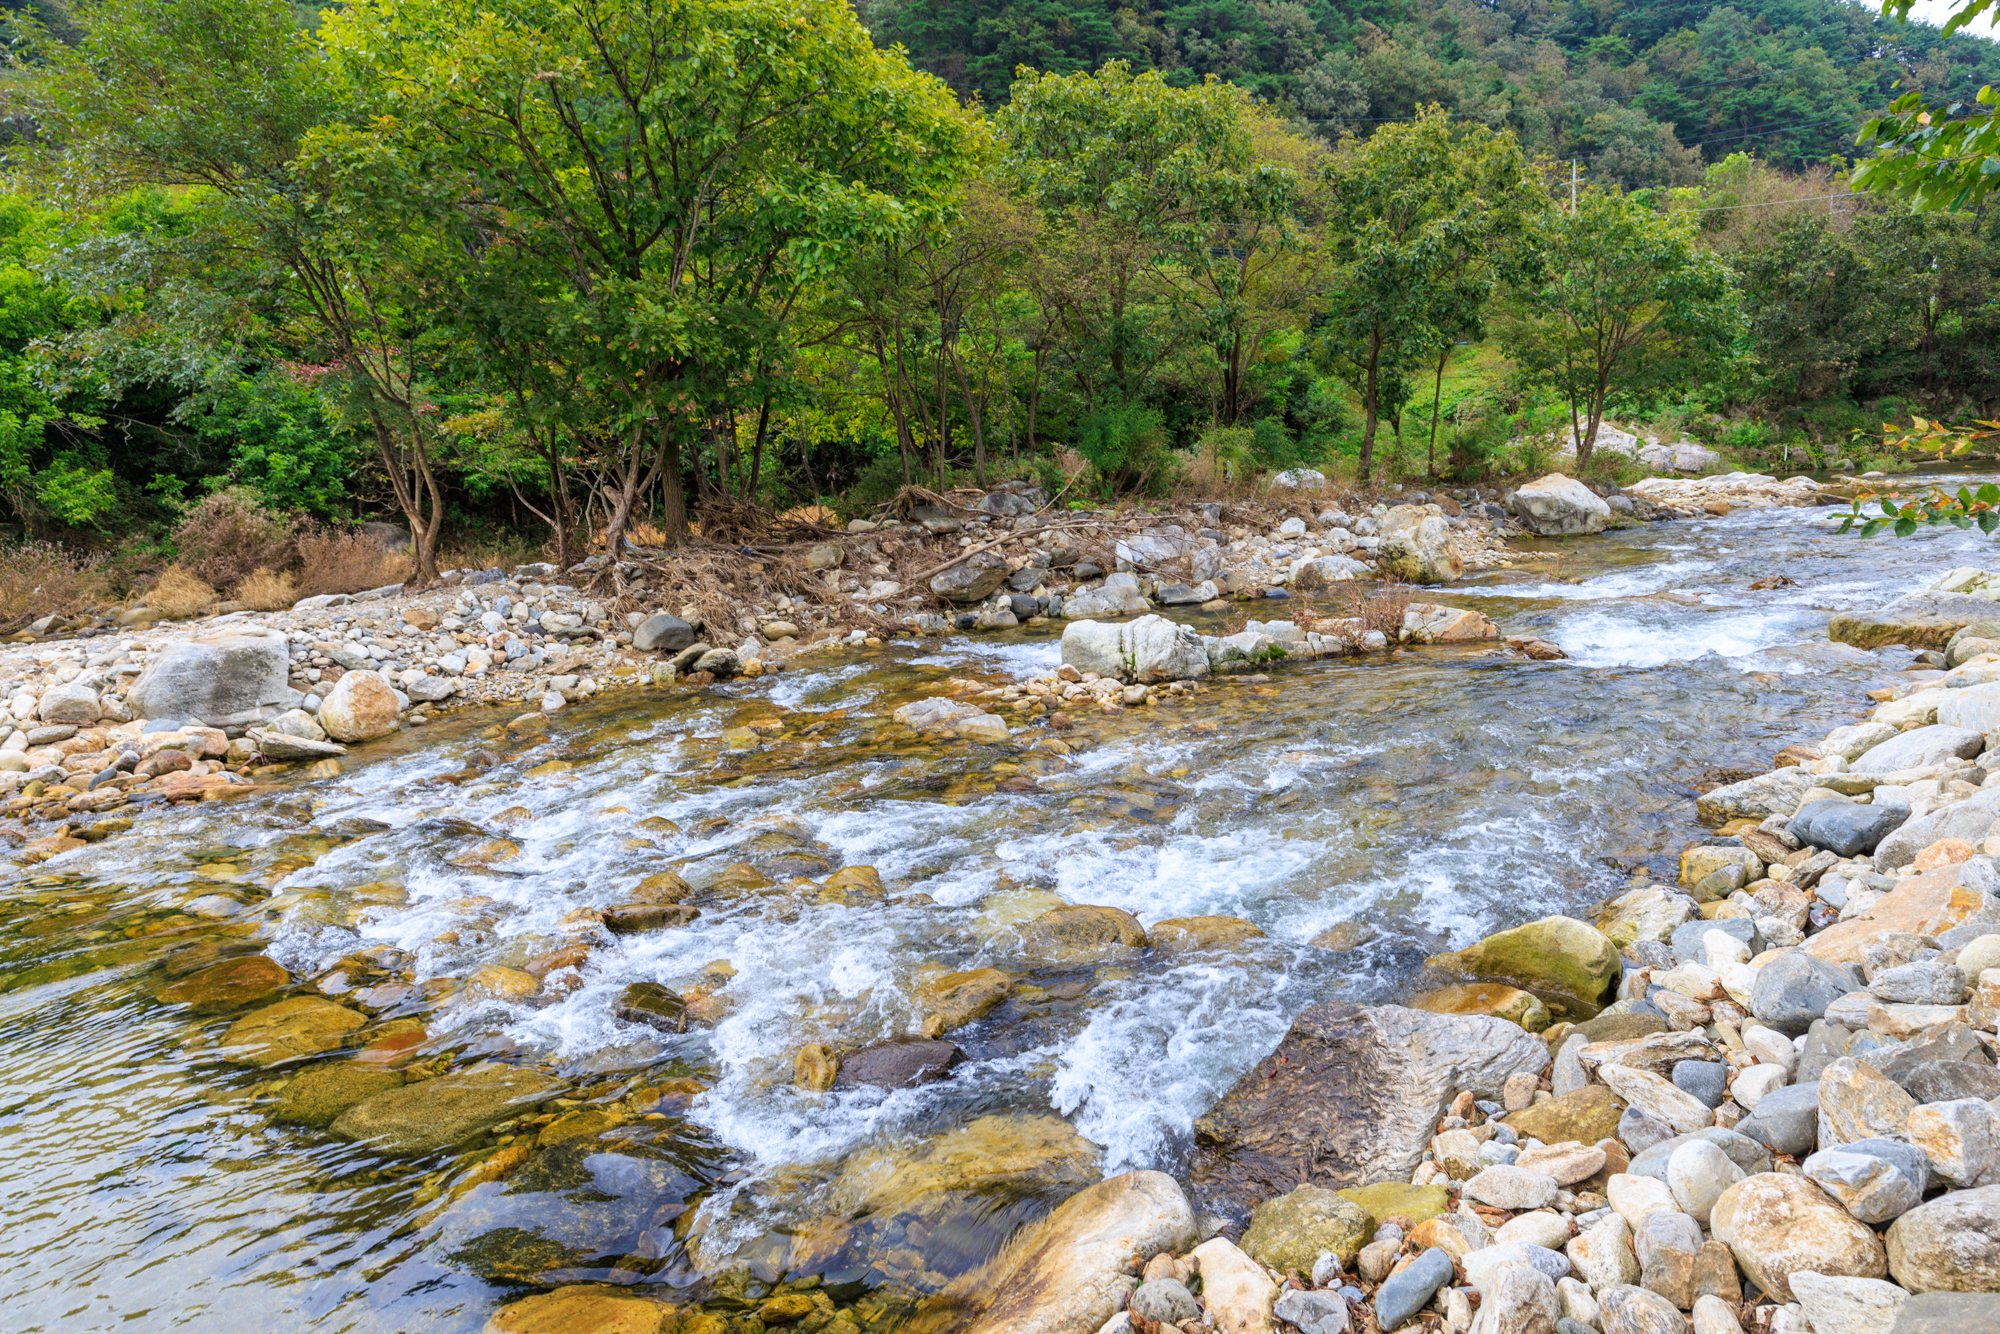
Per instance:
x=1127, y=444
x=1965, y=508
x=1627, y=303
x=282, y=445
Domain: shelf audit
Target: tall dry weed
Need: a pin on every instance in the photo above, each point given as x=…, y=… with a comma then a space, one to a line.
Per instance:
x=177, y=594
x=334, y=562
x=264, y=591
x=40, y=579
x=225, y=538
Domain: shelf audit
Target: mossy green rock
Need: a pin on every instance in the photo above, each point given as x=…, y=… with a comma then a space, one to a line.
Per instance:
x=1585, y=1115
x=1556, y=955
x=1399, y=1199
x=289, y=1031
x=449, y=1110
x=322, y=1093
x=1294, y=1230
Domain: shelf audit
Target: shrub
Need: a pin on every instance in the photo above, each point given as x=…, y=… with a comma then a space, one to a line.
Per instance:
x=178, y=594
x=1127, y=444
x=40, y=579
x=335, y=562
x=226, y=537
x=265, y=591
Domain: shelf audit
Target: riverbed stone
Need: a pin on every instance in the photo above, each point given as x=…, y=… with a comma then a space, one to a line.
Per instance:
x=1949, y=1081
x=582, y=1309
x=972, y=579
x=1794, y=989
x=1541, y=1227
x=290, y=1030
x=322, y=1093
x=1353, y=1093
x=1749, y=1155
x=1313, y=1312
x=1705, y=1081
x=446, y=1111
x=1950, y=1244
x=1922, y=905
x=1665, y=1231
x=1961, y=1139
x=1164, y=1300
x=665, y=633
x=1840, y=1305
x=1075, y=1268
x=1649, y=912
x=227, y=680
x=1399, y=1199
x=1555, y=954
x=1294, y=1230
x=70, y=702
x=1787, y=1120
x=1556, y=505
x=1633, y=1310
x=1657, y=1097
x=1920, y=748
x=1585, y=1115
x=1968, y=821
x=1494, y=998
x=1566, y=1164
x=1775, y=793
x=1151, y=648
x=898, y=1065
x=229, y=985
x=1847, y=828
x=1520, y=1299
x=1857, y=1101
x=1697, y=1174
x=1238, y=1294
x=360, y=707
x=1083, y=933
x=1602, y=1253
x=1417, y=547
x=1926, y=982
x=1776, y=1224
x=1925, y=619
x=1409, y=1290
x=1876, y=1180
x=952, y=1000
x=1513, y=1188
x=1188, y=935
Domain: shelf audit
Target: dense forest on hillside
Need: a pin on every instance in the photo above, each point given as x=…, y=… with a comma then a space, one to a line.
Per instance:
x=1641, y=94
x=557, y=273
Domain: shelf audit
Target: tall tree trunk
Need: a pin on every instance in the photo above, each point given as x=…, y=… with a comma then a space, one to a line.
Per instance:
x=1437, y=397
x=1369, y=403
x=973, y=415
x=1034, y=397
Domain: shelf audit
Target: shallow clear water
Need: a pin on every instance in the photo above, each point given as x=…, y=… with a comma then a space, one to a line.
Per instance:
x=1424, y=799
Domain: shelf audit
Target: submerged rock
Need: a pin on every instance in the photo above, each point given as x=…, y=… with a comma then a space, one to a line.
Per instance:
x=445, y=1111
x=1073, y=1270
x=289, y=1031
x=229, y=985
x=322, y=1093
x=1083, y=933
x=1917, y=620
x=582, y=1309
x=1351, y=1096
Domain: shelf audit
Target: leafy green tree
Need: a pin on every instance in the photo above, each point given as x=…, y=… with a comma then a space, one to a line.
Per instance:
x=1627, y=302
x=641, y=190
x=1408, y=216
x=1140, y=185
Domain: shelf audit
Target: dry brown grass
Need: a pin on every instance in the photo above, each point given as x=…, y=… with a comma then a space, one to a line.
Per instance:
x=178, y=594
x=40, y=579
x=486, y=553
x=228, y=536
x=265, y=591
x=333, y=562
x=1380, y=607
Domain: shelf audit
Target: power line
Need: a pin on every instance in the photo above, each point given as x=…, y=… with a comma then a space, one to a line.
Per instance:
x=1724, y=208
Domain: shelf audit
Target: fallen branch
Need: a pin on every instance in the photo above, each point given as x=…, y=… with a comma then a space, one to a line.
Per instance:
x=970, y=552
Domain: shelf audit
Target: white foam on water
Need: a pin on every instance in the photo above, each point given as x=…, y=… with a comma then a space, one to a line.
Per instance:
x=1157, y=1055
x=1019, y=659
x=1606, y=639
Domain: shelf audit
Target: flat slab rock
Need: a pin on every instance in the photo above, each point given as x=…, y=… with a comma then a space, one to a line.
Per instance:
x=1919, y=620
x=1351, y=1096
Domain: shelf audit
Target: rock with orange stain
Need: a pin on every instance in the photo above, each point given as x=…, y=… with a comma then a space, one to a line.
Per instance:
x=1944, y=852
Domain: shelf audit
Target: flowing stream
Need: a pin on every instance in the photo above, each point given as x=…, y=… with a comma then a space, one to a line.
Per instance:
x=1387, y=806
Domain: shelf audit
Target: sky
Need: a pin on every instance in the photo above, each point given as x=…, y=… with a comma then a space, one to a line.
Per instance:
x=1937, y=11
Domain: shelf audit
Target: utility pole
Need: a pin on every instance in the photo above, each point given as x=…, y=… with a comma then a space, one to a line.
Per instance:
x=1572, y=185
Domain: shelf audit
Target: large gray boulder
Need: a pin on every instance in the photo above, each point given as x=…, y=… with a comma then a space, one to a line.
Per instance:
x=972, y=579
x=1975, y=708
x=1555, y=505
x=1350, y=1097
x=1921, y=747
x=1151, y=648
x=662, y=633
x=1919, y=620
x=221, y=680
x=1418, y=547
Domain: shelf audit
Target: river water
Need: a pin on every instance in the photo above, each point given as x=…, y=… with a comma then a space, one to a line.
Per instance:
x=1404, y=803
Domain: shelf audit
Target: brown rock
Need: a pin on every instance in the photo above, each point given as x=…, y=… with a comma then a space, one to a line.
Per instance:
x=1944, y=852
x=1925, y=905
x=1083, y=933
x=360, y=707
x=585, y=1309
x=229, y=985
x=953, y=1000
x=1183, y=935
x=897, y=1065
x=1857, y=1101
x=662, y=887
x=1776, y=1225
x=1585, y=1115
x=289, y=1030
x=631, y=918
